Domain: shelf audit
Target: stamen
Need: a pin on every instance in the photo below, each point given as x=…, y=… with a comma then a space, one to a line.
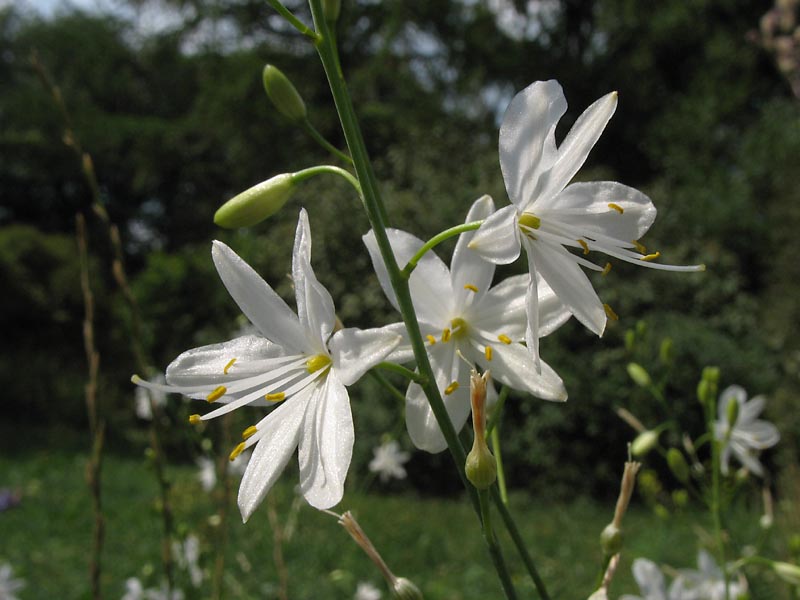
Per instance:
x=607, y=269
x=446, y=335
x=458, y=324
x=236, y=451
x=639, y=246
x=276, y=397
x=194, y=419
x=504, y=338
x=218, y=393
x=431, y=339
x=616, y=207
x=487, y=352
x=228, y=366
x=249, y=432
x=451, y=388
x=610, y=313
x=650, y=257
x=471, y=288
x=584, y=245
x=530, y=221
x=315, y=363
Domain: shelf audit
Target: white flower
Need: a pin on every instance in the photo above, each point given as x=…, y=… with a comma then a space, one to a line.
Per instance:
x=706, y=583
x=389, y=460
x=459, y=312
x=748, y=434
x=8, y=583
x=207, y=475
x=298, y=361
x=547, y=216
x=187, y=555
x=367, y=591
x=651, y=582
x=134, y=590
x=143, y=396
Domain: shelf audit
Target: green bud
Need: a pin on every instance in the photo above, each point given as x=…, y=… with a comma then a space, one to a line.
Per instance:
x=665, y=352
x=644, y=442
x=677, y=464
x=707, y=388
x=794, y=543
x=630, y=340
x=680, y=497
x=661, y=511
x=331, y=10
x=732, y=412
x=256, y=204
x=404, y=589
x=639, y=374
x=283, y=94
x=481, y=467
x=611, y=540
x=641, y=328
x=788, y=572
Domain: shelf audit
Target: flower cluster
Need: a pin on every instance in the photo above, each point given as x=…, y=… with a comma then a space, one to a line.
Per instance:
x=302, y=362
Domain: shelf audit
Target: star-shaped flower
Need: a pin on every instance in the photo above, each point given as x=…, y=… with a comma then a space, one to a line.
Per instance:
x=298, y=361
x=748, y=434
x=547, y=216
x=459, y=312
x=707, y=582
x=388, y=461
x=651, y=582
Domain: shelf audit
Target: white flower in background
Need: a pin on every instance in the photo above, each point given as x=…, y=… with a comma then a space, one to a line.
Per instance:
x=187, y=556
x=239, y=464
x=547, y=216
x=142, y=400
x=9, y=584
x=367, y=591
x=458, y=312
x=651, y=582
x=298, y=361
x=706, y=583
x=748, y=434
x=389, y=460
x=134, y=590
x=207, y=474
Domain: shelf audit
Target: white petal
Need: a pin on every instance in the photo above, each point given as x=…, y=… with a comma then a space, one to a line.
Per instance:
x=279, y=433
x=747, y=457
x=758, y=434
x=553, y=313
x=257, y=300
x=585, y=207
x=571, y=285
x=532, y=309
x=580, y=140
x=326, y=445
x=467, y=267
x=514, y=366
x=527, y=139
x=750, y=410
x=430, y=284
x=314, y=304
x=733, y=392
x=497, y=240
x=355, y=351
x=649, y=577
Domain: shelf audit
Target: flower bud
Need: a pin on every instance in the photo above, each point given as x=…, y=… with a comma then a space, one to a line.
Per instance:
x=639, y=374
x=644, y=442
x=404, y=589
x=680, y=498
x=481, y=467
x=630, y=340
x=611, y=540
x=255, y=204
x=707, y=388
x=788, y=572
x=665, y=351
x=283, y=94
x=677, y=464
x=732, y=412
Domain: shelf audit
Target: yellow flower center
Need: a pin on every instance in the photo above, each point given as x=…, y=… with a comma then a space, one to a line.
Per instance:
x=315, y=363
x=530, y=221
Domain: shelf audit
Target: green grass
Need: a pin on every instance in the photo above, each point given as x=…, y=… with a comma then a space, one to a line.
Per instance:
x=434, y=542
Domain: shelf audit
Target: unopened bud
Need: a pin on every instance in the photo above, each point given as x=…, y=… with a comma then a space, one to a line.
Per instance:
x=255, y=204
x=644, y=442
x=788, y=572
x=331, y=10
x=707, y=388
x=665, y=351
x=732, y=412
x=630, y=340
x=611, y=540
x=677, y=464
x=283, y=95
x=641, y=328
x=639, y=374
x=481, y=467
x=404, y=589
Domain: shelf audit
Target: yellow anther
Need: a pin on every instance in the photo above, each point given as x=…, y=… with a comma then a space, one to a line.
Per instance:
x=194, y=419
x=217, y=393
x=315, y=363
x=650, y=257
x=530, y=221
x=471, y=288
x=228, y=366
x=451, y=388
x=236, y=451
x=431, y=339
x=640, y=246
x=610, y=313
x=504, y=338
x=249, y=432
x=487, y=352
x=584, y=245
x=446, y=335
x=607, y=269
x=616, y=207
x=276, y=397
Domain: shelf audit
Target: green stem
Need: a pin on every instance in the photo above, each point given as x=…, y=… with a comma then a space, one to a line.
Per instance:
x=494, y=548
x=319, y=169
x=501, y=474
x=498, y=409
x=407, y=373
x=435, y=241
x=711, y=410
x=294, y=21
x=317, y=136
x=385, y=383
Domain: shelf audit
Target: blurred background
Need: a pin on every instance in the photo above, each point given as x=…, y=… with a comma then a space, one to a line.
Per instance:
x=166, y=98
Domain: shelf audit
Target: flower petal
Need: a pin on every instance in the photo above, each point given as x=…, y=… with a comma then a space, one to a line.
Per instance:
x=749, y=411
x=279, y=433
x=497, y=240
x=514, y=366
x=467, y=268
x=758, y=434
x=258, y=301
x=649, y=577
x=326, y=444
x=732, y=392
x=527, y=139
x=314, y=304
x=355, y=351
